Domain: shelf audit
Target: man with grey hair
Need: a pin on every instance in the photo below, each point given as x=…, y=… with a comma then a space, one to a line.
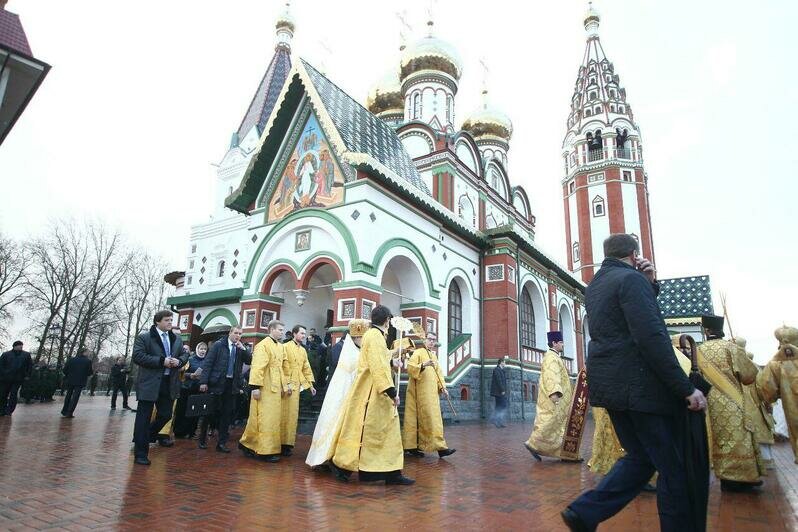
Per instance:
x=634, y=374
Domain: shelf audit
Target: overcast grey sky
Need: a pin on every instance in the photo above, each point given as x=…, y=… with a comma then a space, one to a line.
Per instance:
x=143, y=97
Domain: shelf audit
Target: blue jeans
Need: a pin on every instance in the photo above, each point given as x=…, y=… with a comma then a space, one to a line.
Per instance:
x=651, y=443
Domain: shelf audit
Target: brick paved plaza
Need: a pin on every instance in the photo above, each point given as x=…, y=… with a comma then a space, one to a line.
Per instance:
x=78, y=474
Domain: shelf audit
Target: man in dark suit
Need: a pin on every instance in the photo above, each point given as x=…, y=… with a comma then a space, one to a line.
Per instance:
x=76, y=371
x=498, y=389
x=159, y=354
x=119, y=373
x=15, y=368
x=335, y=355
x=221, y=376
x=634, y=374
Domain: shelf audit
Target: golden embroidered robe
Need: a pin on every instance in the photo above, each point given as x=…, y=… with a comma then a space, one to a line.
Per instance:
x=550, y=418
x=262, y=433
x=297, y=369
x=370, y=438
x=423, y=423
x=779, y=379
x=734, y=451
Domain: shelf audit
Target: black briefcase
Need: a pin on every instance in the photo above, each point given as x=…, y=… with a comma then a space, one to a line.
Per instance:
x=200, y=405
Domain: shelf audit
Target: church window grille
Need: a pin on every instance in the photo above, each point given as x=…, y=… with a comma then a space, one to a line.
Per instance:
x=220, y=269
x=598, y=206
x=593, y=95
x=249, y=319
x=627, y=176
x=495, y=272
x=576, y=252
x=527, y=320
x=455, y=311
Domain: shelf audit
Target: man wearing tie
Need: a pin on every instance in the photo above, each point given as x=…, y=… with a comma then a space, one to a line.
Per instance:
x=158, y=353
x=221, y=376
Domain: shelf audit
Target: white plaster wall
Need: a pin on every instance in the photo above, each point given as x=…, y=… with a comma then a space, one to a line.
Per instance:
x=631, y=215
x=599, y=225
x=574, y=223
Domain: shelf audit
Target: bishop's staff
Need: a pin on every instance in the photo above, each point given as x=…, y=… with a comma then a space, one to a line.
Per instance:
x=726, y=314
x=402, y=326
x=420, y=332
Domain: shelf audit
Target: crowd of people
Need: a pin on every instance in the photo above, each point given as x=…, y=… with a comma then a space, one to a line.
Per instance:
x=666, y=410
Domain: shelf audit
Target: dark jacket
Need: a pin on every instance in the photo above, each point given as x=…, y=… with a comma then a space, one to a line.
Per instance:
x=214, y=367
x=119, y=374
x=335, y=355
x=194, y=363
x=498, y=383
x=631, y=364
x=15, y=366
x=149, y=356
x=77, y=370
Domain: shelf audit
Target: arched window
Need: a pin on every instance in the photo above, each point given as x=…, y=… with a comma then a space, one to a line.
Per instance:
x=527, y=320
x=417, y=105
x=576, y=252
x=449, y=109
x=220, y=270
x=465, y=210
x=455, y=311
x=598, y=206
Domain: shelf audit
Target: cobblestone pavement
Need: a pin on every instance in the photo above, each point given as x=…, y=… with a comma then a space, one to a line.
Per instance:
x=78, y=474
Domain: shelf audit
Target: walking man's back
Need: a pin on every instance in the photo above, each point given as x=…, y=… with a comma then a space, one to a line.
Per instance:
x=634, y=374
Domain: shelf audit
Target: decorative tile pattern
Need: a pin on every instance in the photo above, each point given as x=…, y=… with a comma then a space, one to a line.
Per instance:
x=685, y=297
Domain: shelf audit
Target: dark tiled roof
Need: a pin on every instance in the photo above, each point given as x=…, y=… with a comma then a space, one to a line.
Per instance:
x=266, y=96
x=11, y=33
x=685, y=297
x=362, y=132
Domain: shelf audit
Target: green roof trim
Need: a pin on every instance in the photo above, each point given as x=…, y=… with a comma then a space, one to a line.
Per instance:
x=231, y=295
x=220, y=312
x=420, y=304
x=456, y=342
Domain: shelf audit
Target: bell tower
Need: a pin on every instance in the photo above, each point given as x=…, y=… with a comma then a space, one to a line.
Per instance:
x=605, y=188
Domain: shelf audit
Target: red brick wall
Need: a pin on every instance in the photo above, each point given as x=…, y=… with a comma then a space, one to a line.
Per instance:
x=500, y=311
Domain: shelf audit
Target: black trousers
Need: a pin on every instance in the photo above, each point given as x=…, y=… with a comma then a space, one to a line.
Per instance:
x=500, y=410
x=651, y=443
x=184, y=426
x=225, y=406
x=71, y=400
x=9, y=393
x=117, y=389
x=144, y=431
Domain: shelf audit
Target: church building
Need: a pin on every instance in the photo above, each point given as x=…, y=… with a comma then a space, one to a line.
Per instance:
x=326, y=207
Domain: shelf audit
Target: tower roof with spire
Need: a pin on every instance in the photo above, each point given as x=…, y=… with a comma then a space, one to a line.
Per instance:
x=273, y=80
x=11, y=33
x=488, y=121
x=597, y=91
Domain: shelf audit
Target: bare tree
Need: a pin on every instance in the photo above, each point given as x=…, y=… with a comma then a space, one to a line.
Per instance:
x=140, y=294
x=12, y=278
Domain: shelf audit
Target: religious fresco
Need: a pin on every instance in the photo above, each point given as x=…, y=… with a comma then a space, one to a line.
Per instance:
x=311, y=178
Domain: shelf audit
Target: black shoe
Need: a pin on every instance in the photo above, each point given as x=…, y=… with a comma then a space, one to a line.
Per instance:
x=127, y=408
x=573, y=521
x=446, y=452
x=222, y=449
x=68, y=416
x=286, y=450
x=270, y=458
x=340, y=474
x=649, y=487
x=735, y=486
x=576, y=461
x=399, y=480
x=203, y=445
x=113, y=408
x=166, y=442
x=533, y=452
x=415, y=452
x=141, y=460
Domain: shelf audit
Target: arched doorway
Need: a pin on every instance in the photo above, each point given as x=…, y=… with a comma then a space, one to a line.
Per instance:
x=311, y=306
x=401, y=284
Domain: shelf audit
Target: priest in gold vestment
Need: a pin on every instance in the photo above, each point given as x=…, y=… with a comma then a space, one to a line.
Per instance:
x=734, y=450
x=261, y=437
x=779, y=380
x=300, y=377
x=553, y=403
x=756, y=410
x=370, y=440
x=423, y=424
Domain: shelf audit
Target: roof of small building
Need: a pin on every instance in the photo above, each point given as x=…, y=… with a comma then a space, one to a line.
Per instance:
x=266, y=96
x=12, y=35
x=683, y=297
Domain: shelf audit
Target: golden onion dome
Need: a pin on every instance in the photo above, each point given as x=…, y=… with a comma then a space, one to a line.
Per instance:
x=431, y=53
x=592, y=18
x=285, y=20
x=386, y=94
x=488, y=121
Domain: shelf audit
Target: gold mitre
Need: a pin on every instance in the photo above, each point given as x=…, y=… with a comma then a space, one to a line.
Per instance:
x=358, y=327
x=418, y=330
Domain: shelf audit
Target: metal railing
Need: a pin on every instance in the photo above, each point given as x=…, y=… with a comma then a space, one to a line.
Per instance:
x=595, y=155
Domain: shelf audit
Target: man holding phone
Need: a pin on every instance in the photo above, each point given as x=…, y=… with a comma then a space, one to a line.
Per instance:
x=221, y=376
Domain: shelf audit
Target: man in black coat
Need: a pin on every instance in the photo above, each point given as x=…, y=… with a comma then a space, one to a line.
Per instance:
x=159, y=354
x=335, y=355
x=632, y=371
x=498, y=389
x=76, y=371
x=221, y=376
x=119, y=373
x=15, y=368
